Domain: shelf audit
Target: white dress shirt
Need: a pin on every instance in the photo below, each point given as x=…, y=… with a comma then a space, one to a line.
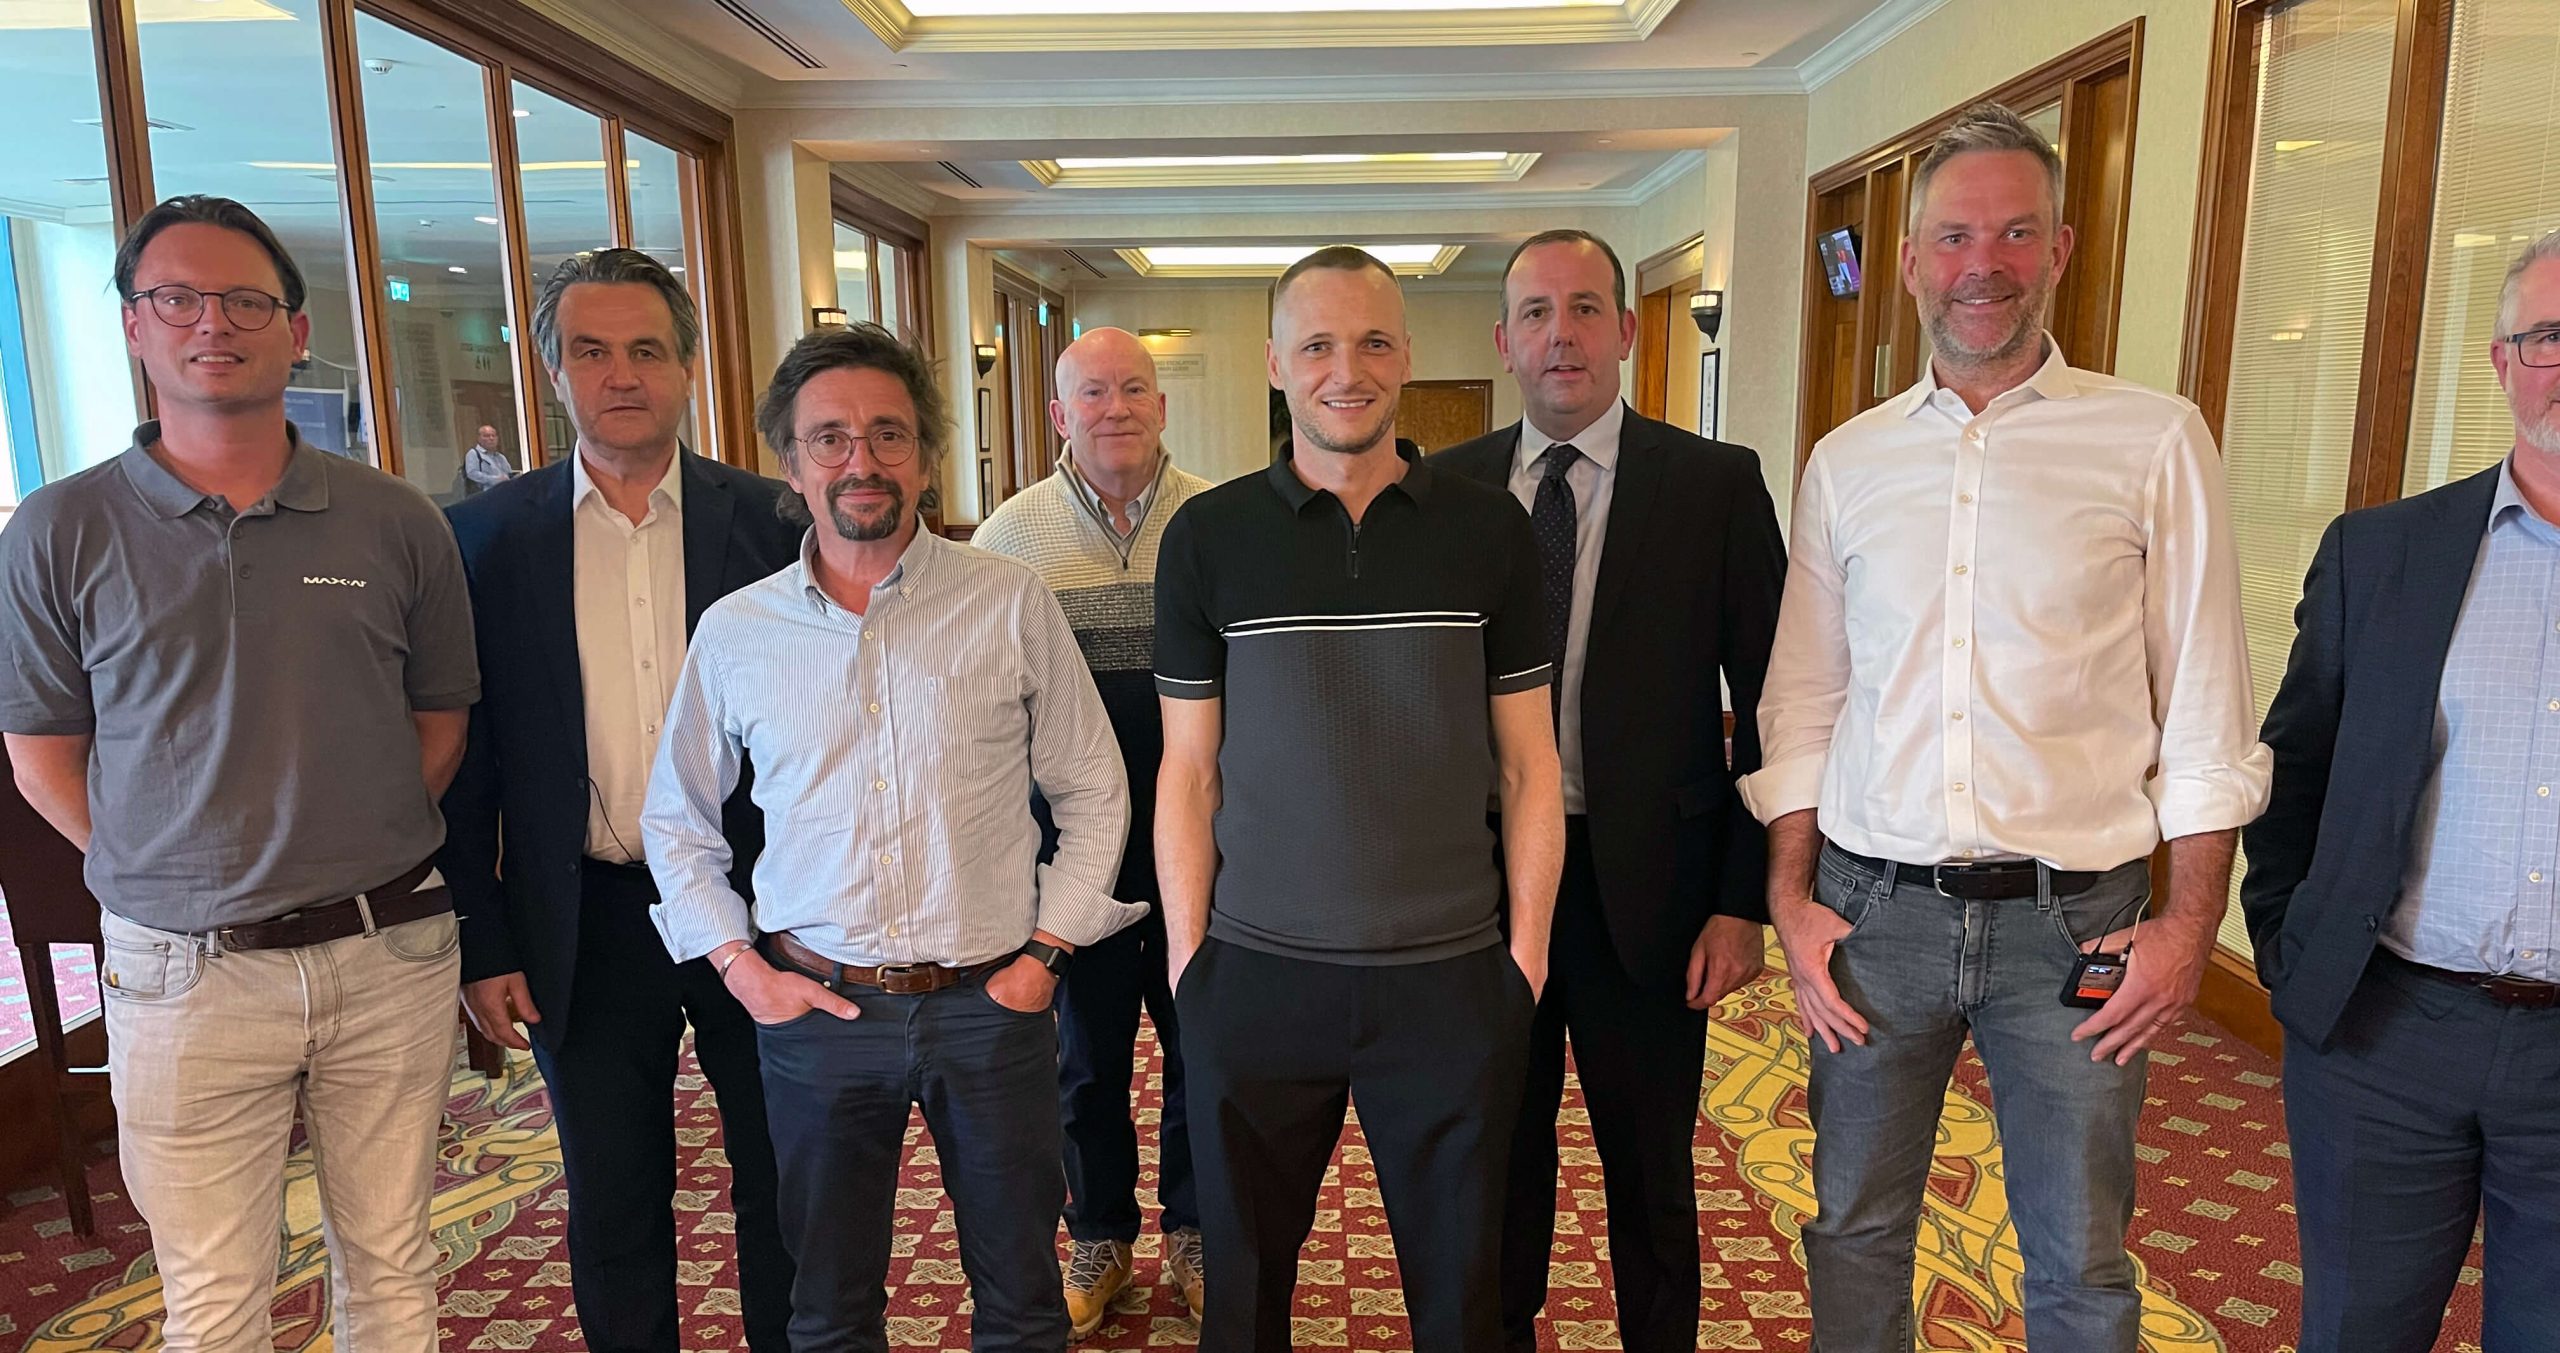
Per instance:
x=629, y=597
x=1591, y=478
x=1997, y=625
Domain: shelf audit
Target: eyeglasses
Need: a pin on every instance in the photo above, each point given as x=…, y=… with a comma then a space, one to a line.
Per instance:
x=180, y=306
x=834, y=446
x=2537, y=347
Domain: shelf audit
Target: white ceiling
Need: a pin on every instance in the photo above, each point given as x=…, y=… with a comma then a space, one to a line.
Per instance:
x=1746, y=41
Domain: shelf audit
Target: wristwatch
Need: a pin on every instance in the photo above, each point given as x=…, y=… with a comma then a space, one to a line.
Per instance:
x=1048, y=956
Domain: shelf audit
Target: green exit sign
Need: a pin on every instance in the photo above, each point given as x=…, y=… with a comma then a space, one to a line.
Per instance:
x=399, y=288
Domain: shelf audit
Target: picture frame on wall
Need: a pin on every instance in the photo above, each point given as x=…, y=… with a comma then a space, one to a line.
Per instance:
x=986, y=421
x=986, y=486
x=1710, y=367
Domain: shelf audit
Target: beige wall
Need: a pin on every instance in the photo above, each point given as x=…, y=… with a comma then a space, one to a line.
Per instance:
x=1969, y=46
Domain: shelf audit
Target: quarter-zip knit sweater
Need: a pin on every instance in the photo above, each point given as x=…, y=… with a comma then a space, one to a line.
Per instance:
x=1106, y=583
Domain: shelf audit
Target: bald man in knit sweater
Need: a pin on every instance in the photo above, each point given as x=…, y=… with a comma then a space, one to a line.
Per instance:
x=1091, y=530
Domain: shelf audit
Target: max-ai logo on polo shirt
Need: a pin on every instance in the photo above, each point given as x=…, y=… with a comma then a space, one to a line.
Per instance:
x=315, y=581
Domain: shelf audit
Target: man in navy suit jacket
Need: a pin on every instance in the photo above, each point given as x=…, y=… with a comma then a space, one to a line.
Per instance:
x=1662, y=560
x=586, y=580
x=2400, y=891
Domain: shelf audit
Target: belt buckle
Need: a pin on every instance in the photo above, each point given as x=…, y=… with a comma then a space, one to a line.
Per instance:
x=1938, y=878
x=896, y=978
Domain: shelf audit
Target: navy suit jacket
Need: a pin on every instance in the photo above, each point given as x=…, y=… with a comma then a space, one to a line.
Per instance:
x=2353, y=731
x=1688, y=590
x=516, y=816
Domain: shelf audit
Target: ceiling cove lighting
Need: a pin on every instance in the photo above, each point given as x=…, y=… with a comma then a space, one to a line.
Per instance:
x=1054, y=26
x=1199, y=171
x=31, y=14
x=1269, y=260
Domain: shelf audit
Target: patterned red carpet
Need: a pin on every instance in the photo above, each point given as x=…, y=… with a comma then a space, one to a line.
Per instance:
x=2215, y=1237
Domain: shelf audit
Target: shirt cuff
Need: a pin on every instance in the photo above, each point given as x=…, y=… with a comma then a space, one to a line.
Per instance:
x=694, y=925
x=2195, y=800
x=437, y=701
x=1181, y=689
x=1789, y=786
x=1512, y=683
x=1079, y=913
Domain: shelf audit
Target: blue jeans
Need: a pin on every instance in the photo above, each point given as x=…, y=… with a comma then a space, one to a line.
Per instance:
x=1925, y=970
x=836, y=1096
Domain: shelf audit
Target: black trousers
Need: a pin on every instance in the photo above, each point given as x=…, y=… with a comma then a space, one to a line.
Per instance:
x=612, y=1084
x=987, y=1079
x=1278, y=1048
x=1641, y=1058
x=1098, y=1005
x=2433, y=1110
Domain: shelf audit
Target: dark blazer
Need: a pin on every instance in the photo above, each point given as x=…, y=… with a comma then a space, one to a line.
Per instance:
x=1688, y=589
x=2357, y=714
x=516, y=817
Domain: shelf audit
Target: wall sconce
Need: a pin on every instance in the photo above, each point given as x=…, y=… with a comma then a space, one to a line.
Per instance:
x=986, y=355
x=825, y=317
x=1706, y=310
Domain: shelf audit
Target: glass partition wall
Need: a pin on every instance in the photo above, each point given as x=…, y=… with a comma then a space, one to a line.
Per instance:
x=425, y=162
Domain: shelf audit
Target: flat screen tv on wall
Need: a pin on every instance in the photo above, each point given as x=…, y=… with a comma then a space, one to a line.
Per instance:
x=1838, y=250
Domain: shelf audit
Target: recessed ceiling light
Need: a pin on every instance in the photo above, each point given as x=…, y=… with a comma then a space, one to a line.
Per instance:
x=935, y=9
x=1263, y=260
x=1180, y=161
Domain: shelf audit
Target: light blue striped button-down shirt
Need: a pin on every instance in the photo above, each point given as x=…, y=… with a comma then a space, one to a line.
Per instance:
x=895, y=754
x=2478, y=895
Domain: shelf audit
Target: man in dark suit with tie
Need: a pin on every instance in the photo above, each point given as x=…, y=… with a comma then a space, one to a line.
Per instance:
x=1662, y=564
x=2400, y=892
x=587, y=578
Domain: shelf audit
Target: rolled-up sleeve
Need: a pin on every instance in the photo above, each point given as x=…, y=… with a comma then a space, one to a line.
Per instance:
x=699, y=751
x=1075, y=765
x=1191, y=656
x=2214, y=773
x=1808, y=678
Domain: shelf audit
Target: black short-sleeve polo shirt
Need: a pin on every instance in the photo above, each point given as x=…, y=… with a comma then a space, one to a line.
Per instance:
x=1356, y=664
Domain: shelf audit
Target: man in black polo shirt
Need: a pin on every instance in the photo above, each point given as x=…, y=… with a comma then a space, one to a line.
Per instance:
x=1376, y=626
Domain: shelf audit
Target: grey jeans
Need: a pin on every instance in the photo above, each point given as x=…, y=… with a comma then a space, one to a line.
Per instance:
x=1925, y=970
x=210, y=1053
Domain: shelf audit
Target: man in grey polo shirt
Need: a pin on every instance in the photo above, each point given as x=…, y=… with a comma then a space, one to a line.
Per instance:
x=236, y=671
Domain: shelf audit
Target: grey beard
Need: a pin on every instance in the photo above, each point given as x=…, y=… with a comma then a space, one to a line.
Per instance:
x=854, y=528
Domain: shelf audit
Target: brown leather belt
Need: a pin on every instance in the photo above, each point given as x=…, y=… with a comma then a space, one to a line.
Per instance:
x=395, y=903
x=2519, y=992
x=892, y=979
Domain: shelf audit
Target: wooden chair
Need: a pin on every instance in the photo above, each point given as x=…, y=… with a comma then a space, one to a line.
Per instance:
x=50, y=905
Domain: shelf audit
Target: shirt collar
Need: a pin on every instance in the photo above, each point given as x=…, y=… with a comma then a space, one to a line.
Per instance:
x=1092, y=499
x=304, y=487
x=2509, y=503
x=2053, y=379
x=668, y=490
x=913, y=564
x=1297, y=493
x=1598, y=442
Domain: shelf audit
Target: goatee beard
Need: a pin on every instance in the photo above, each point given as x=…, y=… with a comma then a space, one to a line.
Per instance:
x=852, y=527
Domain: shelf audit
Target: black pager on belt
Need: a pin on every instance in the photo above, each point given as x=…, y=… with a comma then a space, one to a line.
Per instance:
x=2094, y=977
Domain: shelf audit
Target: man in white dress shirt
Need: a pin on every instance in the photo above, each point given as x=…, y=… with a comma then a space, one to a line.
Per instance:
x=2011, y=594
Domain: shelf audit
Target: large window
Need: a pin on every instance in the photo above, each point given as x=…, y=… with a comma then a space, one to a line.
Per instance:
x=65, y=398
x=425, y=162
x=880, y=271
x=2371, y=168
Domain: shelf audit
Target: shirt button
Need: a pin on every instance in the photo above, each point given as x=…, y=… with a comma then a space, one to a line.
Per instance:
x=1959, y=643
x=875, y=706
x=644, y=664
x=2554, y=706
x=879, y=784
x=1963, y=569
x=1973, y=434
x=1957, y=717
x=639, y=601
x=2543, y=790
x=648, y=728
x=1964, y=497
x=1959, y=786
x=2534, y=877
x=893, y=932
x=892, y=859
x=871, y=634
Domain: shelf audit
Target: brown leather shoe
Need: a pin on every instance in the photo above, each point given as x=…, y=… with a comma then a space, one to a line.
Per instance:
x=1182, y=1266
x=1096, y=1272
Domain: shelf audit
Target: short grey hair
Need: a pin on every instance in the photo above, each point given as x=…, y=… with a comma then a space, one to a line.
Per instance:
x=1985, y=126
x=613, y=265
x=2542, y=250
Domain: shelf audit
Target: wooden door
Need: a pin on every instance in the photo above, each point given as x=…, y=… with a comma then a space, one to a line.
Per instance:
x=1438, y=415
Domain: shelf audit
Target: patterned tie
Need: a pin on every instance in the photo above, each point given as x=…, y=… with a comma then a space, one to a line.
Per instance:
x=1551, y=520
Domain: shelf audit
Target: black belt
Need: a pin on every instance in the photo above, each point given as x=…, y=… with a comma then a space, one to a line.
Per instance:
x=1987, y=881
x=2522, y=993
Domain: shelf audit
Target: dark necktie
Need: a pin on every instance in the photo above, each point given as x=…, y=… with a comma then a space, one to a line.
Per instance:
x=1551, y=520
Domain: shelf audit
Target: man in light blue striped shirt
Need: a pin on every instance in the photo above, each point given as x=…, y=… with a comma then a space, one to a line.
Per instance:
x=899, y=697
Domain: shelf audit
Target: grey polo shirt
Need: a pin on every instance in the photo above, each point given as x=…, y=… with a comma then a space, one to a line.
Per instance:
x=248, y=677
